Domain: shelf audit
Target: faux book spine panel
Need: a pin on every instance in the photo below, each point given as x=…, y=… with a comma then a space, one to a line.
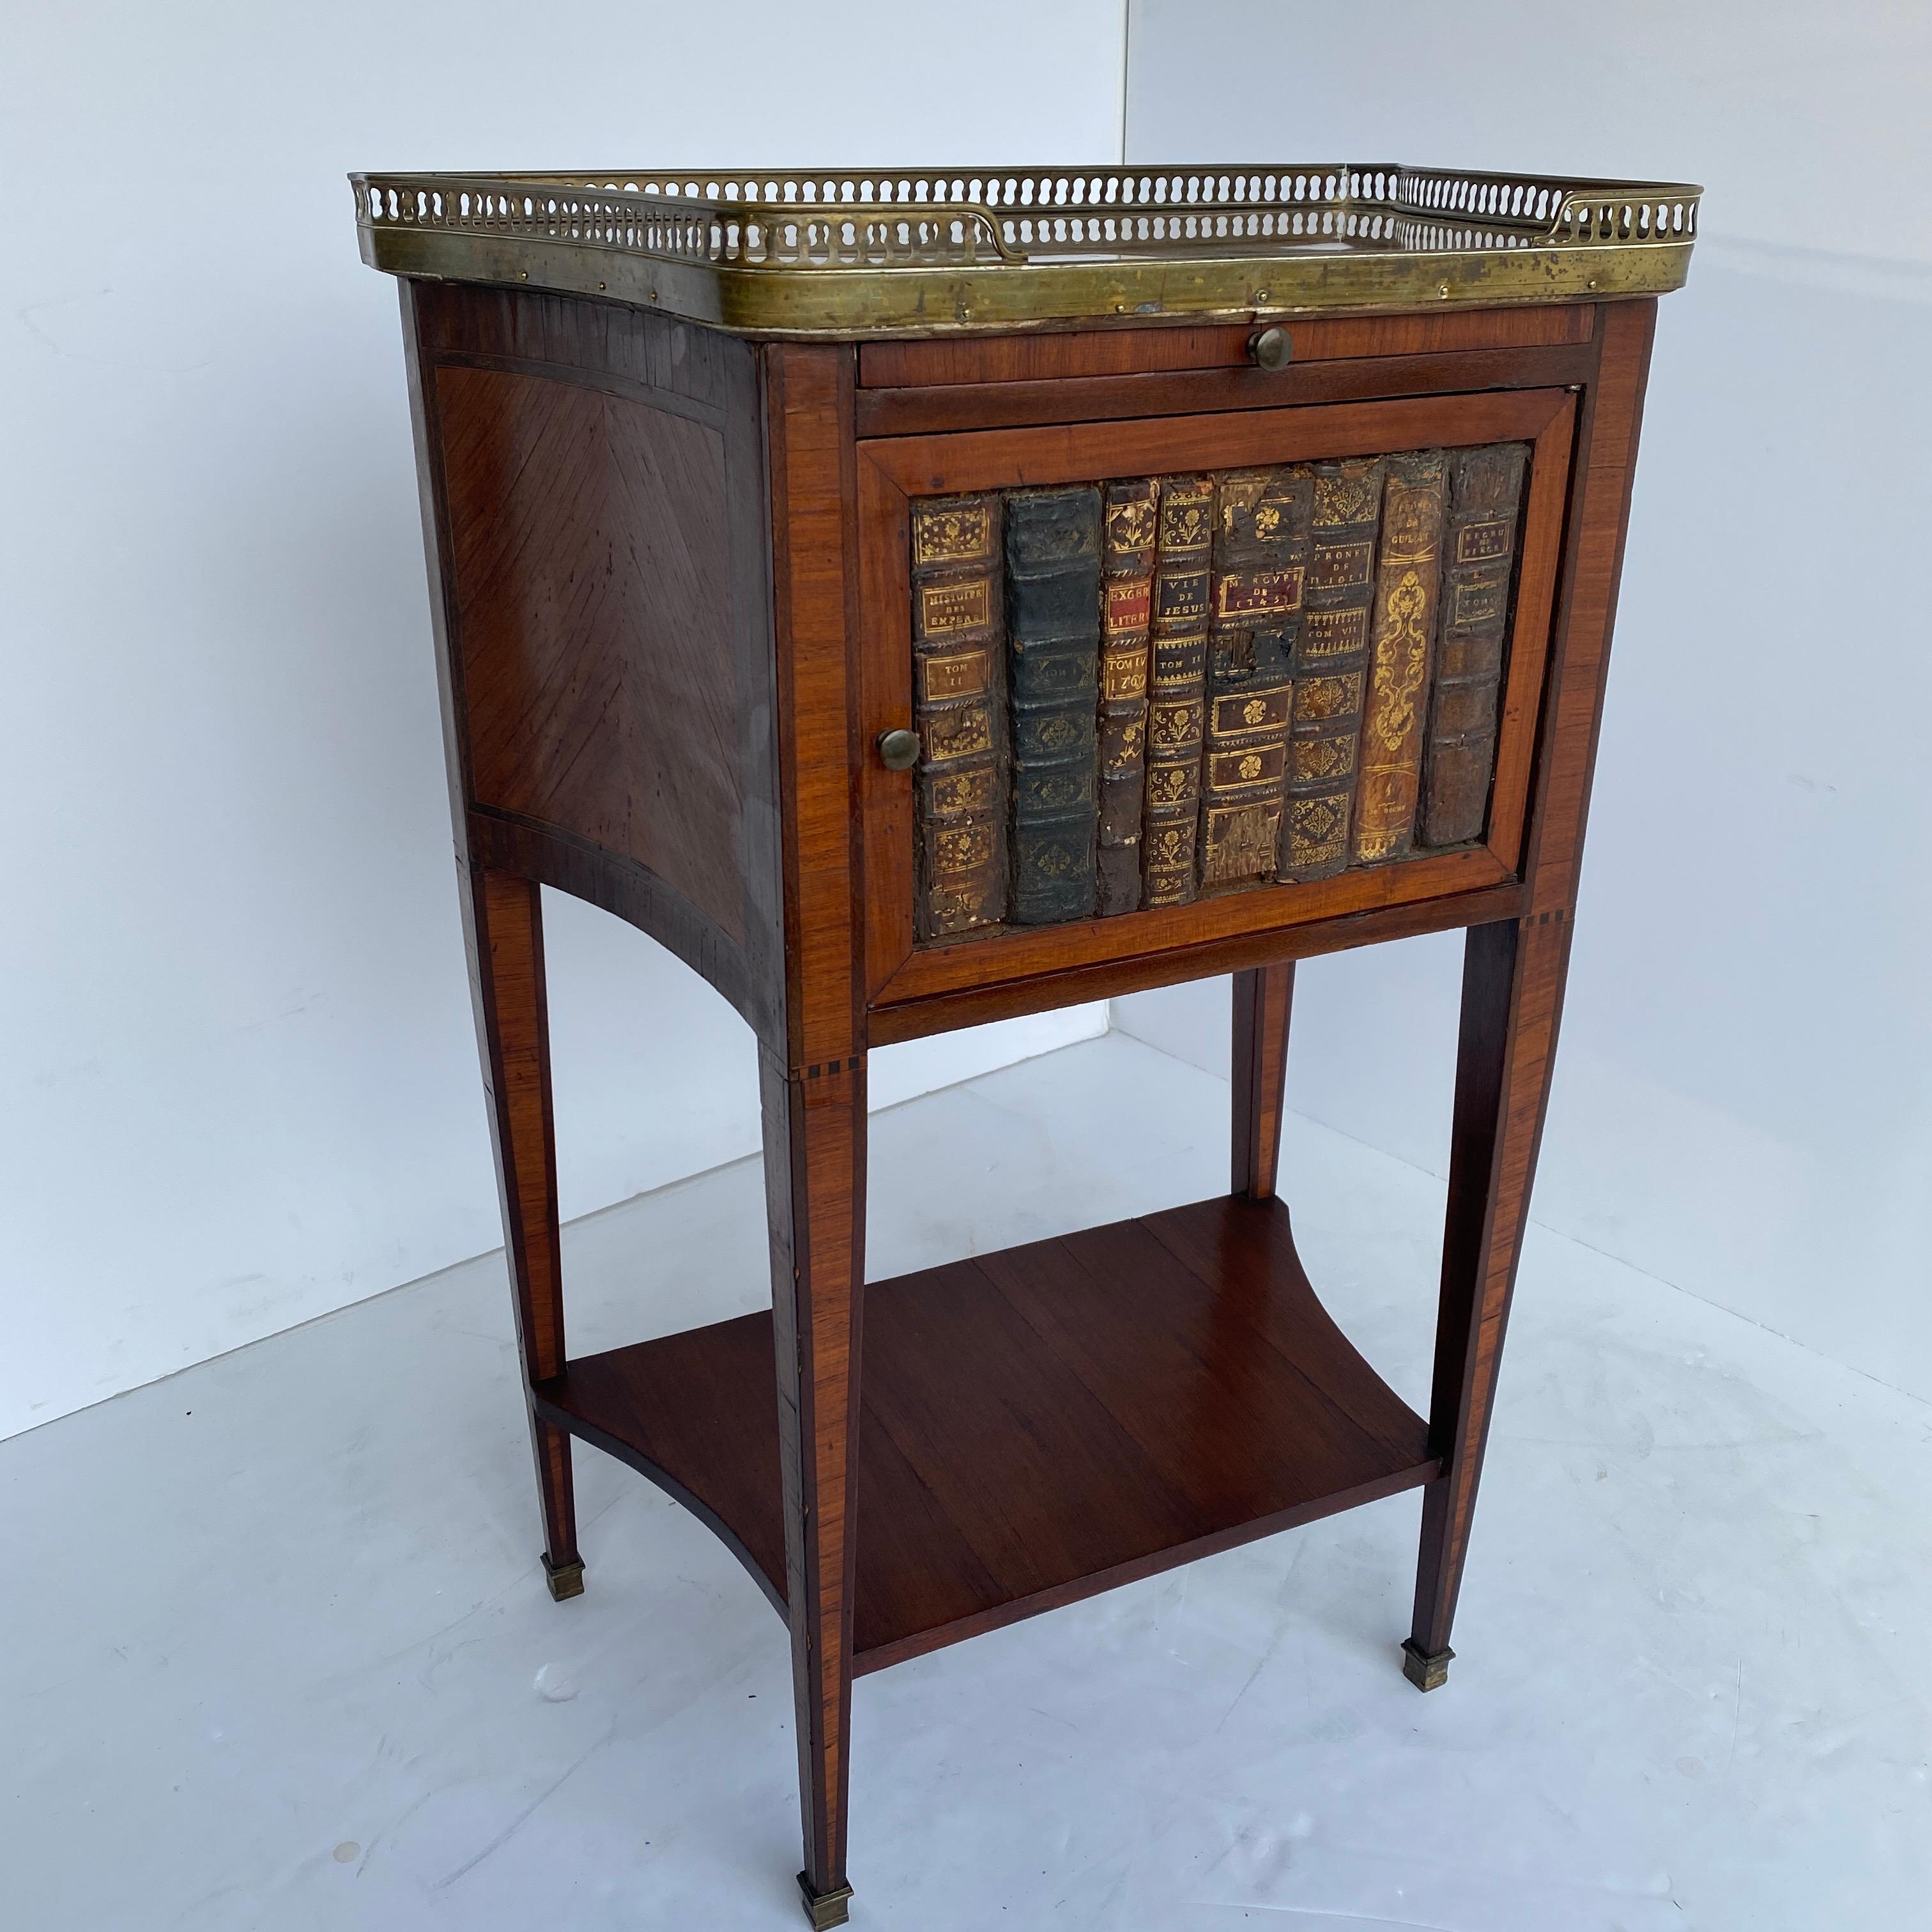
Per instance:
x=1127, y=551
x=1131, y=694
x=1331, y=664
x=1479, y=561
x=1389, y=781
x=1053, y=633
x=1177, y=690
x=1260, y=548
x=959, y=707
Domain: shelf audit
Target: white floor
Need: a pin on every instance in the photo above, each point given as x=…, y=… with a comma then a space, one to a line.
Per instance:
x=275, y=1651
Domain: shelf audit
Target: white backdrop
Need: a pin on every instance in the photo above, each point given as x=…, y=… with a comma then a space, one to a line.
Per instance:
x=239, y=1085
x=1744, y=1100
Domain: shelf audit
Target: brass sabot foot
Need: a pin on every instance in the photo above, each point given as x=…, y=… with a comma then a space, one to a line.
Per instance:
x=1426, y=1670
x=565, y=1579
x=824, y=1908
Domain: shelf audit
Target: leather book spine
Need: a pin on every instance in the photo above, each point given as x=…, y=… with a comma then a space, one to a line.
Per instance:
x=1331, y=664
x=959, y=707
x=1479, y=547
x=1053, y=663
x=1260, y=553
x=1389, y=782
x=1177, y=663
x=1129, y=519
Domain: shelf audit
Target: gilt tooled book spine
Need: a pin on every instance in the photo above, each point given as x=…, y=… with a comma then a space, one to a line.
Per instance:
x=1260, y=551
x=1053, y=662
x=1389, y=782
x=1176, y=682
x=1331, y=663
x=1126, y=603
x=1479, y=548
x=959, y=711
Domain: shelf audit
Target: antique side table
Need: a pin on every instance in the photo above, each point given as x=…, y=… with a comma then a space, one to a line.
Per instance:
x=917, y=597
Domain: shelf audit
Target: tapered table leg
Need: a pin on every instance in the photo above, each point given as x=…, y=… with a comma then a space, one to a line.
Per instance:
x=814, y=1129
x=505, y=929
x=1512, y=977
x=1263, y=997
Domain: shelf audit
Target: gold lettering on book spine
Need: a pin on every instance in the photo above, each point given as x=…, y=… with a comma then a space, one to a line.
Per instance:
x=1390, y=774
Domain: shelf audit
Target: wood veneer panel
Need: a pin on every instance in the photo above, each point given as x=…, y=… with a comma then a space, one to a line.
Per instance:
x=814, y=560
x=1025, y=952
x=687, y=367
x=953, y=407
x=503, y=927
x=1513, y=977
x=1113, y=352
x=1530, y=627
x=1066, y=985
x=1036, y=1425
x=1089, y=452
x=694, y=1411
x=1573, y=710
x=1264, y=999
x=815, y=1142
x=588, y=537
x=704, y=386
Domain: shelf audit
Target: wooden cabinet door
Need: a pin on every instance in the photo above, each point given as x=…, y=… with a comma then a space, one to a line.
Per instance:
x=892, y=471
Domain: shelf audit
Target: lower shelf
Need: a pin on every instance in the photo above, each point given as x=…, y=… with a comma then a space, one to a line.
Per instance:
x=1036, y=1425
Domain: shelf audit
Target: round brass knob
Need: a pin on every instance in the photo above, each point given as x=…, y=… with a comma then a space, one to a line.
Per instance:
x=898, y=750
x=1271, y=348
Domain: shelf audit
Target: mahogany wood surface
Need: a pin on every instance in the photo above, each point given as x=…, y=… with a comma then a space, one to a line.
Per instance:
x=1115, y=352
x=1539, y=558
x=814, y=1134
x=1593, y=566
x=593, y=481
x=1513, y=980
x=588, y=530
x=813, y=1081
x=1264, y=996
x=882, y=412
x=504, y=927
x=1037, y=1424
x=821, y=748
x=1072, y=452
x=1066, y=985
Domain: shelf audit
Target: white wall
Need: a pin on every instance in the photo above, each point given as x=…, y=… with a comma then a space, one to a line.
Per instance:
x=238, y=1087
x=1744, y=1101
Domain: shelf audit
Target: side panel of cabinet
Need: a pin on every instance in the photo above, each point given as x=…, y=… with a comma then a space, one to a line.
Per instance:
x=598, y=474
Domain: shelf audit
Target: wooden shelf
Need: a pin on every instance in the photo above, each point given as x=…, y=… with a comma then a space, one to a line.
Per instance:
x=1036, y=1425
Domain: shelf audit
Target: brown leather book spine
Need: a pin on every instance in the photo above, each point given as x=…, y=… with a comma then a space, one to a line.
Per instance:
x=1389, y=783
x=1479, y=549
x=1128, y=536
x=1261, y=552
x=959, y=707
x=1331, y=664
x=1177, y=677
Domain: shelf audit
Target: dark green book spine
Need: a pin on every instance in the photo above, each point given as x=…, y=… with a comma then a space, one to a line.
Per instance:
x=1053, y=640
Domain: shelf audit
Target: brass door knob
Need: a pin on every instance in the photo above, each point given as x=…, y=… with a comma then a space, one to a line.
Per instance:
x=898, y=750
x=1271, y=348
